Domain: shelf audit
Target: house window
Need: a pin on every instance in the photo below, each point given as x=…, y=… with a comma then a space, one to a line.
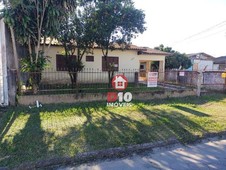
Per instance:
x=61, y=62
x=142, y=66
x=89, y=58
x=112, y=62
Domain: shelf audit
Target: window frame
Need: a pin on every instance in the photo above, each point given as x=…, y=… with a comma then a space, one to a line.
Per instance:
x=110, y=58
x=61, y=62
x=89, y=58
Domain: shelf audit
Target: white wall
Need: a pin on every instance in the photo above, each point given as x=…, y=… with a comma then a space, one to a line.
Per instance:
x=203, y=63
x=129, y=62
x=127, y=59
x=3, y=66
x=215, y=66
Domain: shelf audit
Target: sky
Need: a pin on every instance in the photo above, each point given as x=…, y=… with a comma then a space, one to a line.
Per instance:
x=188, y=26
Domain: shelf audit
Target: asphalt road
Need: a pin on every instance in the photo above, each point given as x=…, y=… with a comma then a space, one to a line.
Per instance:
x=203, y=156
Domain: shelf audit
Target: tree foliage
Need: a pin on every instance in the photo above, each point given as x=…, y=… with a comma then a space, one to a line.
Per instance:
x=116, y=22
x=76, y=23
x=30, y=22
x=76, y=36
x=176, y=60
x=104, y=23
x=34, y=20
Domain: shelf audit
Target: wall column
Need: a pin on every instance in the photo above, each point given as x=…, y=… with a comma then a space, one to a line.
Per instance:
x=161, y=70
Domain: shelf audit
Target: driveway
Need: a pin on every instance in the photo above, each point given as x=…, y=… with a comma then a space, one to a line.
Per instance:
x=206, y=155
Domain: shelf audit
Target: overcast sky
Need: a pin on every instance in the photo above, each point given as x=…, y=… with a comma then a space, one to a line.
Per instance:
x=188, y=26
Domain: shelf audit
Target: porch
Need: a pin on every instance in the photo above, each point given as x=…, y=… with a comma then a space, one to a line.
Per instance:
x=151, y=66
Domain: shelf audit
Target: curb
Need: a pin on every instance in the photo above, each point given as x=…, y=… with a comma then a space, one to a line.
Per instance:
x=97, y=155
x=110, y=153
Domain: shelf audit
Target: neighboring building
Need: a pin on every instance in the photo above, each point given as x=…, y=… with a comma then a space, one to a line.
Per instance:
x=128, y=61
x=220, y=63
x=201, y=61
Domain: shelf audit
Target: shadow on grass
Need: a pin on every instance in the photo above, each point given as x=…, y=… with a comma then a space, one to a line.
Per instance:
x=27, y=145
x=113, y=129
x=101, y=127
x=191, y=111
x=187, y=100
x=174, y=123
x=6, y=122
x=106, y=130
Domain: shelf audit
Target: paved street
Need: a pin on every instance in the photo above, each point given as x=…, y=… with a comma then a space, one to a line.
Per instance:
x=206, y=155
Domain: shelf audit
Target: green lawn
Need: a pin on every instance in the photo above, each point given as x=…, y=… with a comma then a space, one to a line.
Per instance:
x=28, y=135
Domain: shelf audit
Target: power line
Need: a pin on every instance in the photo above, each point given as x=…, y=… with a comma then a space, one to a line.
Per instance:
x=224, y=30
x=221, y=24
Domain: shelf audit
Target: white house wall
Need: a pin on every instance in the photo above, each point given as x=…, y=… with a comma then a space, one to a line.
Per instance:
x=215, y=67
x=152, y=58
x=129, y=62
x=127, y=59
x=3, y=66
x=203, y=63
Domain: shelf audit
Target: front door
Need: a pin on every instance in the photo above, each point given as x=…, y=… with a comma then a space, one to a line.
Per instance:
x=143, y=71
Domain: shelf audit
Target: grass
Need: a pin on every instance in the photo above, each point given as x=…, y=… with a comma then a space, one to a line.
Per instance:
x=28, y=135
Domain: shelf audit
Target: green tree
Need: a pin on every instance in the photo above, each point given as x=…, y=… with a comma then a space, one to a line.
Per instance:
x=76, y=36
x=176, y=60
x=115, y=22
x=30, y=23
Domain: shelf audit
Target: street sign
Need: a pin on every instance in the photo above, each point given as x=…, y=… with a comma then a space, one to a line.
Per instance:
x=181, y=73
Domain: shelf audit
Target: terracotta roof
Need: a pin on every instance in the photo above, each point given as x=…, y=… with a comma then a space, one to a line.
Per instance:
x=153, y=51
x=55, y=42
x=141, y=50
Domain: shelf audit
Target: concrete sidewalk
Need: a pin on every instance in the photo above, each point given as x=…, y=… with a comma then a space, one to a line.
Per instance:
x=206, y=155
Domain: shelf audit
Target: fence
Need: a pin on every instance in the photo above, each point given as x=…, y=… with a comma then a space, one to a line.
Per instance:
x=212, y=80
x=92, y=81
x=88, y=81
x=187, y=78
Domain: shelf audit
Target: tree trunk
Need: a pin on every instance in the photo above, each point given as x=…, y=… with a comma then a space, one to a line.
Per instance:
x=110, y=77
x=16, y=59
x=35, y=81
x=34, y=88
x=73, y=77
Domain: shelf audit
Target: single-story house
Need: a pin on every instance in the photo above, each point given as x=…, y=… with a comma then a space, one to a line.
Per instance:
x=220, y=63
x=127, y=61
x=201, y=61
